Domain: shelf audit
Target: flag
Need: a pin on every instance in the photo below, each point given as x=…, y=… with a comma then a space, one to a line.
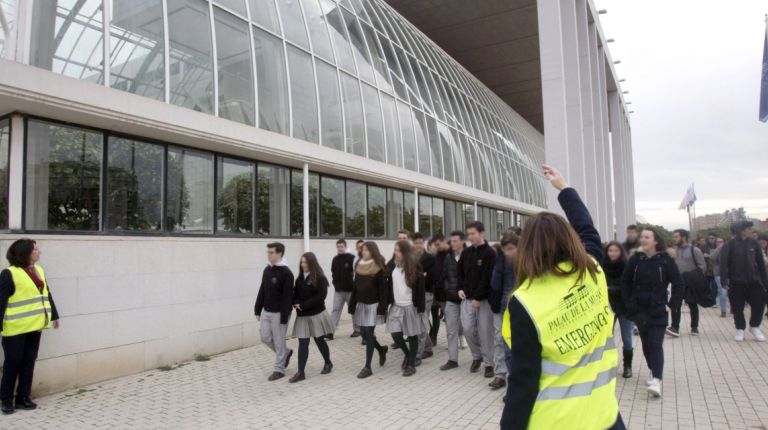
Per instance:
x=764, y=81
x=689, y=199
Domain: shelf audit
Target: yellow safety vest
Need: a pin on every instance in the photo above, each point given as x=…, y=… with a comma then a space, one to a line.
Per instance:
x=28, y=309
x=578, y=355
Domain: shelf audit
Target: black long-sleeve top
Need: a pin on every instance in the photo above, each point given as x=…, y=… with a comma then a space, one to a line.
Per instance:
x=8, y=288
x=311, y=298
x=427, y=263
x=438, y=274
x=644, y=288
x=342, y=269
x=524, y=359
x=475, y=270
x=369, y=289
x=741, y=263
x=276, y=292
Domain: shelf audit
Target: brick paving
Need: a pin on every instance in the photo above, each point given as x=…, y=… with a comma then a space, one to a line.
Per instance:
x=707, y=379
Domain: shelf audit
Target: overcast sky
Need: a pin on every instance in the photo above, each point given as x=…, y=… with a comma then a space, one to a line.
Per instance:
x=692, y=69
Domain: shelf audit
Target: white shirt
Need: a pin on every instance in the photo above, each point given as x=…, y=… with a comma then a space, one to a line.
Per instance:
x=402, y=292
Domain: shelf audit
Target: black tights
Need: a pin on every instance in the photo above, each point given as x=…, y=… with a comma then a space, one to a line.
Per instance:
x=304, y=351
x=370, y=344
x=435, y=322
x=410, y=350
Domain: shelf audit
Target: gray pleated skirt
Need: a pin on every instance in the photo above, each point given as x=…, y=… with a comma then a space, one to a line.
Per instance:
x=313, y=326
x=404, y=319
x=365, y=315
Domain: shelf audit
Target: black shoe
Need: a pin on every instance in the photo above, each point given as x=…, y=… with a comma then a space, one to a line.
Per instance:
x=327, y=368
x=362, y=341
x=7, y=407
x=355, y=334
x=498, y=383
x=25, y=403
x=475, y=367
x=488, y=372
x=409, y=371
x=627, y=372
x=405, y=363
x=394, y=346
x=673, y=332
x=417, y=363
x=366, y=372
x=449, y=365
x=329, y=336
x=694, y=331
x=275, y=376
x=288, y=358
x=383, y=355
x=427, y=354
x=297, y=377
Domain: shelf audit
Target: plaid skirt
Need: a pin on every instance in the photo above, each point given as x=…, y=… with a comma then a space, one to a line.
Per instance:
x=313, y=326
x=404, y=319
x=365, y=315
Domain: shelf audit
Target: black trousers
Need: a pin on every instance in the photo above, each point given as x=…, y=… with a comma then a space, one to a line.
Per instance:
x=677, y=314
x=652, y=340
x=20, y=356
x=435, y=328
x=753, y=294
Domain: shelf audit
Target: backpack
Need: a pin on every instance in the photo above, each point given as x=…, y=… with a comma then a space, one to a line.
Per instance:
x=697, y=286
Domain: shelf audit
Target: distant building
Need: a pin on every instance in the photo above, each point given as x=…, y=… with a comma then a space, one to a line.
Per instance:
x=706, y=222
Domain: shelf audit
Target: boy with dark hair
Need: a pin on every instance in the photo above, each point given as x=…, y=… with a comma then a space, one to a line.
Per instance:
x=342, y=271
x=450, y=285
x=502, y=284
x=632, y=242
x=274, y=305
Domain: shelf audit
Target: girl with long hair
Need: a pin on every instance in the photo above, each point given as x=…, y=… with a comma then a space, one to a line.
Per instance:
x=312, y=319
x=614, y=262
x=368, y=302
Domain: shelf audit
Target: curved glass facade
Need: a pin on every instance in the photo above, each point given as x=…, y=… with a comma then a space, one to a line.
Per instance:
x=352, y=75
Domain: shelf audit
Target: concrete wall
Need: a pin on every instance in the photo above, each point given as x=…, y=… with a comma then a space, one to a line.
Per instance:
x=129, y=304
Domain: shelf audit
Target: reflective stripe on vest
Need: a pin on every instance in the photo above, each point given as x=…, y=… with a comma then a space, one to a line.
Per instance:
x=28, y=309
x=574, y=322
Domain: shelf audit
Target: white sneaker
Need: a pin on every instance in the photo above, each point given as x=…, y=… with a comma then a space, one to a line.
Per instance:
x=649, y=381
x=739, y=336
x=757, y=334
x=654, y=389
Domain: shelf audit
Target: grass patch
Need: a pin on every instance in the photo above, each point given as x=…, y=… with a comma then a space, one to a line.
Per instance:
x=201, y=357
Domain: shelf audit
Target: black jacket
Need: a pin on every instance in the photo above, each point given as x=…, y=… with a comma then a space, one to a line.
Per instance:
x=475, y=270
x=417, y=295
x=524, y=358
x=614, y=270
x=741, y=263
x=427, y=262
x=450, y=278
x=342, y=269
x=7, y=289
x=439, y=276
x=310, y=297
x=276, y=292
x=370, y=289
x=644, y=288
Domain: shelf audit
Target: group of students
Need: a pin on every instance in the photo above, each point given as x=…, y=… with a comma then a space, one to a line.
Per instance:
x=422, y=285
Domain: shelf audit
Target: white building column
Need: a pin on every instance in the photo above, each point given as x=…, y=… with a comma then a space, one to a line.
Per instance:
x=608, y=203
x=619, y=164
x=415, y=210
x=16, y=174
x=305, y=205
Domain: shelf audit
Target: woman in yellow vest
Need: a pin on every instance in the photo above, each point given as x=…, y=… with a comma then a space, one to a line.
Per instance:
x=27, y=308
x=559, y=325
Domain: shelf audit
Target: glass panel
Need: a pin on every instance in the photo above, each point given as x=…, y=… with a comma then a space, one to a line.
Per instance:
x=446, y=145
x=272, y=82
x=234, y=191
x=409, y=79
x=506, y=220
x=353, y=115
x=451, y=223
x=63, y=177
x=339, y=35
x=425, y=215
x=190, y=191
x=264, y=13
x=191, y=63
x=305, y=125
x=318, y=29
x=380, y=66
x=469, y=213
x=9, y=10
x=394, y=148
x=235, y=68
x=5, y=140
x=136, y=38
x=237, y=6
x=394, y=68
x=355, y=214
x=293, y=22
x=297, y=203
x=421, y=142
x=377, y=210
x=331, y=207
x=422, y=85
x=409, y=142
x=437, y=216
x=68, y=38
x=359, y=48
x=134, y=185
x=272, y=202
x=330, y=106
x=408, y=211
x=373, y=123
x=394, y=212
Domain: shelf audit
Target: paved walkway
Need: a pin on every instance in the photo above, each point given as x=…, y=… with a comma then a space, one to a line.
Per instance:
x=707, y=379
